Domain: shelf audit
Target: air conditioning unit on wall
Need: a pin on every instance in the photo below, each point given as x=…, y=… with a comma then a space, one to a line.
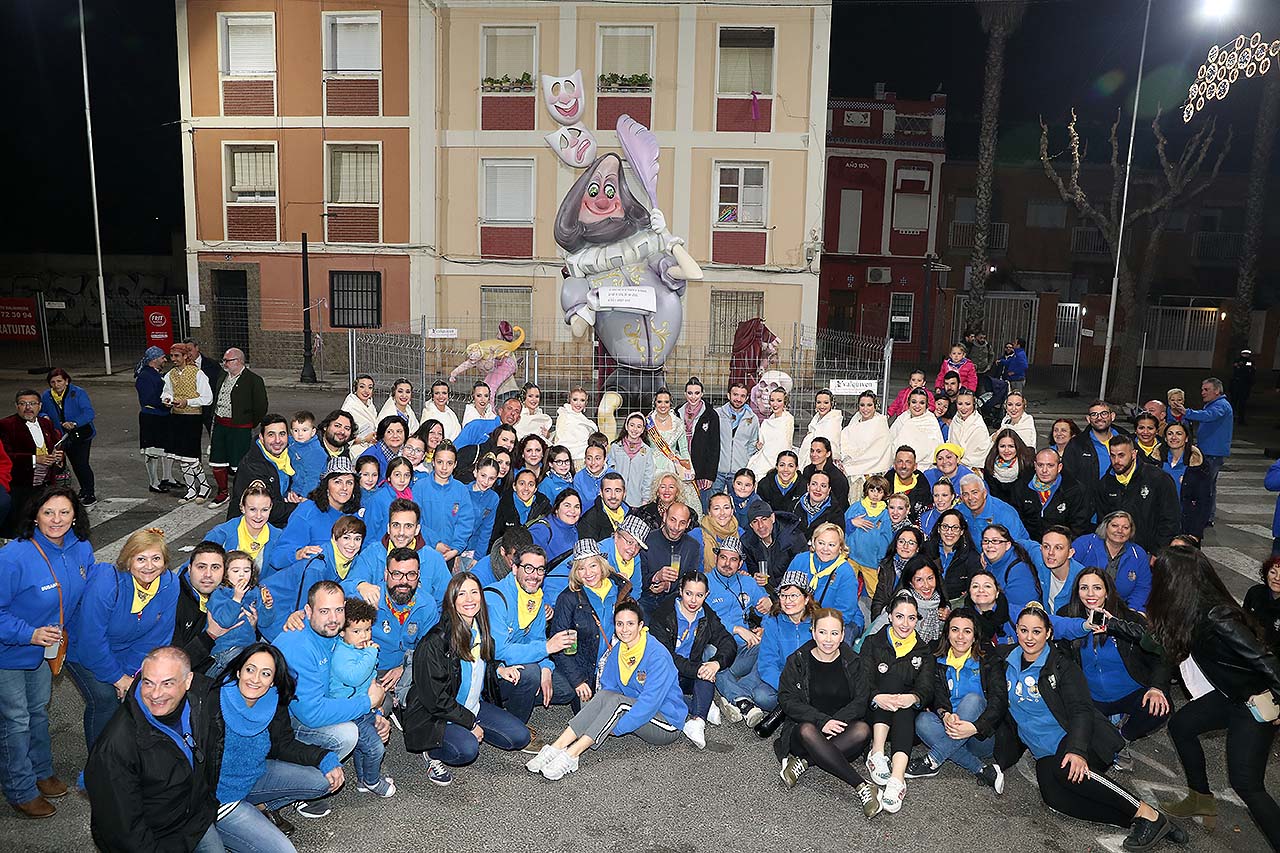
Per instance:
x=879, y=275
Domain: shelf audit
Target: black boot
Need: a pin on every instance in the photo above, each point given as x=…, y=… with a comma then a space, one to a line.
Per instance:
x=770, y=723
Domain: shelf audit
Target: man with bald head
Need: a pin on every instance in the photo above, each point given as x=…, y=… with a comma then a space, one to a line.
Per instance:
x=1046, y=496
x=239, y=405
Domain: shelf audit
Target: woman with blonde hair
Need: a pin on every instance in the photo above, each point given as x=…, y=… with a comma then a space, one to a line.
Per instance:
x=717, y=525
x=586, y=607
x=668, y=438
x=667, y=490
x=123, y=615
x=833, y=580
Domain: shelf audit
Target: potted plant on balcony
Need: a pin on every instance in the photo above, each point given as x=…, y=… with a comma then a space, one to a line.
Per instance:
x=525, y=83
x=490, y=84
x=637, y=83
x=505, y=82
x=609, y=82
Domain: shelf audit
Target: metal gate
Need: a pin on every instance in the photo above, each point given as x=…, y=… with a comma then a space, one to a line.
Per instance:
x=1009, y=316
x=1066, y=333
x=1181, y=337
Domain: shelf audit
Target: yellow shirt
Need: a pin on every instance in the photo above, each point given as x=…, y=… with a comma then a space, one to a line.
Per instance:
x=629, y=656
x=902, y=648
x=143, y=594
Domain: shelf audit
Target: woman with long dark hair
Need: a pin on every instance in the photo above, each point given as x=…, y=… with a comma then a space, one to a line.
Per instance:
x=1012, y=567
x=1233, y=680
x=1008, y=459
x=446, y=716
x=556, y=533
x=984, y=598
x=255, y=759
x=951, y=548
x=633, y=458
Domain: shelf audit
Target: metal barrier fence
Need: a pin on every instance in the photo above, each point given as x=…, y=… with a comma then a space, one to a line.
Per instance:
x=557, y=362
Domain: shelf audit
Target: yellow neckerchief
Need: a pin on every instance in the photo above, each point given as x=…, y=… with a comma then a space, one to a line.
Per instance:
x=250, y=544
x=203, y=601
x=957, y=662
x=629, y=656
x=527, y=606
x=815, y=575
x=282, y=461
x=615, y=516
x=603, y=589
x=57, y=398
x=1148, y=448
x=343, y=565
x=899, y=486
x=902, y=648
x=626, y=567
x=332, y=453
x=873, y=508
x=475, y=643
x=1124, y=479
x=143, y=594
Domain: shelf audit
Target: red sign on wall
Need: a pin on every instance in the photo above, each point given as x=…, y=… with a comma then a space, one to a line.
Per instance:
x=18, y=319
x=157, y=322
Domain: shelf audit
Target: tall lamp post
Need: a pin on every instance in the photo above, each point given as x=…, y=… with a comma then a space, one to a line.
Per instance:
x=93, y=192
x=308, y=366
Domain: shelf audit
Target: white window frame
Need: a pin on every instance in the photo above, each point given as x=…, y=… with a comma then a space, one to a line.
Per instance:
x=653, y=49
x=510, y=289
x=531, y=164
x=224, y=68
x=716, y=166
x=227, y=201
x=484, y=54
x=328, y=60
x=329, y=145
x=911, y=323
x=1040, y=204
x=773, y=72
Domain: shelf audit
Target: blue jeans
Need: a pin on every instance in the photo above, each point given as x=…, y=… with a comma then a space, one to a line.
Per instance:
x=369, y=750
x=969, y=753
x=729, y=681
x=221, y=659
x=520, y=698
x=25, y=754
x=246, y=830
x=722, y=483
x=340, y=738
x=211, y=842
x=1213, y=465
x=501, y=728
x=100, y=701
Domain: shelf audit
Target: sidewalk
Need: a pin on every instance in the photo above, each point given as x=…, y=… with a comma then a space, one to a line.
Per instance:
x=273, y=377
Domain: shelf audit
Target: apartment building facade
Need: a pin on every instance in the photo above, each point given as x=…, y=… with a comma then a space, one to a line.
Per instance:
x=405, y=139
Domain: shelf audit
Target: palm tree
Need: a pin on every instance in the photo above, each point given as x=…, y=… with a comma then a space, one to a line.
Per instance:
x=999, y=20
x=1264, y=137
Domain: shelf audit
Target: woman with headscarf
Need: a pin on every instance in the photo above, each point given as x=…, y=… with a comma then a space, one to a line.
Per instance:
x=153, y=421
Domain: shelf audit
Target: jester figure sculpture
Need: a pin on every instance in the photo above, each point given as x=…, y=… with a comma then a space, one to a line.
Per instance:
x=496, y=357
x=624, y=272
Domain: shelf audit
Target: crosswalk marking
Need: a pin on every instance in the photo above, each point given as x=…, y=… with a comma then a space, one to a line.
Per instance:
x=174, y=523
x=1255, y=529
x=1238, y=491
x=108, y=508
x=1230, y=558
x=1242, y=507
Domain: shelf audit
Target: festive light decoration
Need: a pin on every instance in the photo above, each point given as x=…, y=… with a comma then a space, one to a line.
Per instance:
x=1247, y=55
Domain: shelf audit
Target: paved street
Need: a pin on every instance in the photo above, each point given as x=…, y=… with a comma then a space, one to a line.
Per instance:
x=673, y=799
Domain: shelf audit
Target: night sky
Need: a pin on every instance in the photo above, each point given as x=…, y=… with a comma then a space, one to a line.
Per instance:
x=1080, y=53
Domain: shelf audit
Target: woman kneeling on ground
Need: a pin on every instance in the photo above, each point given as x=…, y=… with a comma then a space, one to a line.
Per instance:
x=639, y=694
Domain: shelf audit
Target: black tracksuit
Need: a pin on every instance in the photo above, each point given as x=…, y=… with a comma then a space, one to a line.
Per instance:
x=921, y=494
x=1069, y=507
x=769, y=492
x=595, y=522
x=839, y=482
x=505, y=517
x=190, y=626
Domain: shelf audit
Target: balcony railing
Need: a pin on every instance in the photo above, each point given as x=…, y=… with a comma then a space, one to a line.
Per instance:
x=1088, y=241
x=1217, y=246
x=961, y=236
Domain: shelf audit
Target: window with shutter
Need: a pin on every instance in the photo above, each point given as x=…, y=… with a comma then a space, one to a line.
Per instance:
x=626, y=51
x=251, y=173
x=354, y=174
x=248, y=44
x=508, y=191
x=510, y=51
x=513, y=304
x=741, y=194
x=746, y=60
x=353, y=44
x=1046, y=213
x=910, y=212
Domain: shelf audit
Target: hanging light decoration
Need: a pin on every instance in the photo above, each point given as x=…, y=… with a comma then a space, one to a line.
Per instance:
x=1248, y=55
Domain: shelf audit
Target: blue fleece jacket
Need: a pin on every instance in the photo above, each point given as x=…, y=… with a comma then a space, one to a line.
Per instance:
x=310, y=657
x=396, y=639
x=376, y=506
x=553, y=484
x=227, y=534
x=371, y=567
x=307, y=526
x=587, y=485
x=654, y=685
x=963, y=681
x=309, y=461
x=29, y=593
x=556, y=538
x=781, y=638
x=476, y=431
x=75, y=405
x=484, y=505
x=1133, y=574
x=728, y=597
x=289, y=587
x=838, y=590
x=1015, y=365
x=995, y=511
x=446, y=509
x=1017, y=581
x=867, y=547
x=109, y=640
x=1217, y=423
x=351, y=671
x=512, y=644
x=227, y=611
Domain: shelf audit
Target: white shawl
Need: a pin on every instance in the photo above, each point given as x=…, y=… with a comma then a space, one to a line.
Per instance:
x=366, y=418
x=572, y=430
x=471, y=413
x=864, y=446
x=1025, y=428
x=536, y=422
x=827, y=426
x=389, y=408
x=446, y=418
x=922, y=434
x=971, y=434
x=776, y=435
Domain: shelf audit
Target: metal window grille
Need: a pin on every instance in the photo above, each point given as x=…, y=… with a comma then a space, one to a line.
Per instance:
x=355, y=299
x=728, y=309
x=910, y=125
x=902, y=308
x=741, y=194
x=513, y=304
x=353, y=174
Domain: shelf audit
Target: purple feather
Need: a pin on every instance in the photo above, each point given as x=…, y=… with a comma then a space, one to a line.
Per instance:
x=641, y=148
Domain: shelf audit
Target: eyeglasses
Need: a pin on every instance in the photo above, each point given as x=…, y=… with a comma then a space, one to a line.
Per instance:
x=995, y=541
x=230, y=360
x=1099, y=414
x=790, y=596
x=564, y=461
x=28, y=404
x=530, y=569
x=950, y=528
x=403, y=576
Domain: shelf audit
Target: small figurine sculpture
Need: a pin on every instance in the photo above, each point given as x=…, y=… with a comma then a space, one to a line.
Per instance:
x=496, y=357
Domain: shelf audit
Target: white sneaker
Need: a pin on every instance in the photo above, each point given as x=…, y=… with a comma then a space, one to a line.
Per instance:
x=695, y=729
x=713, y=714
x=729, y=712
x=544, y=756
x=891, y=796
x=878, y=768
x=754, y=715
x=559, y=765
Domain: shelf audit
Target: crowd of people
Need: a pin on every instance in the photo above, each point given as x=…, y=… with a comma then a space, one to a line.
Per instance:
x=921, y=590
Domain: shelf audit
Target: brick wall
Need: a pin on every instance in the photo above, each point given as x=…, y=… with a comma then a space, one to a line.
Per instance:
x=248, y=97
x=610, y=107
x=506, y=242
x=735, y=114
x=507, y=112
x=254, y=222
x=738, y=247
x=352, y=224
x=347, y=97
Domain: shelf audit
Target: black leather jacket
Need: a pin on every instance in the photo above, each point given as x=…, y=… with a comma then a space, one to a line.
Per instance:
x=1232, y=657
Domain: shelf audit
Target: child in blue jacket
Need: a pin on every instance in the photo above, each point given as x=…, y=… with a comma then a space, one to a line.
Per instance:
x=354, y=665
x=233, y=603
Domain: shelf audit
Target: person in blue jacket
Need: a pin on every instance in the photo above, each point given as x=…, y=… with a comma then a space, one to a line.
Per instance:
x=869, y=528
x=1217, y=424
x=1014, y=363
x=402, y=530
x=307, y=451
x=556, y=534
x=250, y=531
x=558, y=474
x=786, y=628
x=740, y=601
x=123, y=615
x=832, y=578
x=398, y=484
x=1056, y=567
x=484, y=505
x=446, y=505
x=70, y=408
x=312, y=522
x=1272, y=484
x=333, y=561
x=594, y=466
x=406, y=612
x=981, y=509
x=639, y=694
x=586, y=608
x=1111, y=547
x=392, y=432
x=43, y=575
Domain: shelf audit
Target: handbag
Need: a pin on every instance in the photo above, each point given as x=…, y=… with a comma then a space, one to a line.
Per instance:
x=55, y=662
x=1263, y=707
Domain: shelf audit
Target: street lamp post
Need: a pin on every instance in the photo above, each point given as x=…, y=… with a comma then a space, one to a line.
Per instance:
x=308, y=365
x=93, y=193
